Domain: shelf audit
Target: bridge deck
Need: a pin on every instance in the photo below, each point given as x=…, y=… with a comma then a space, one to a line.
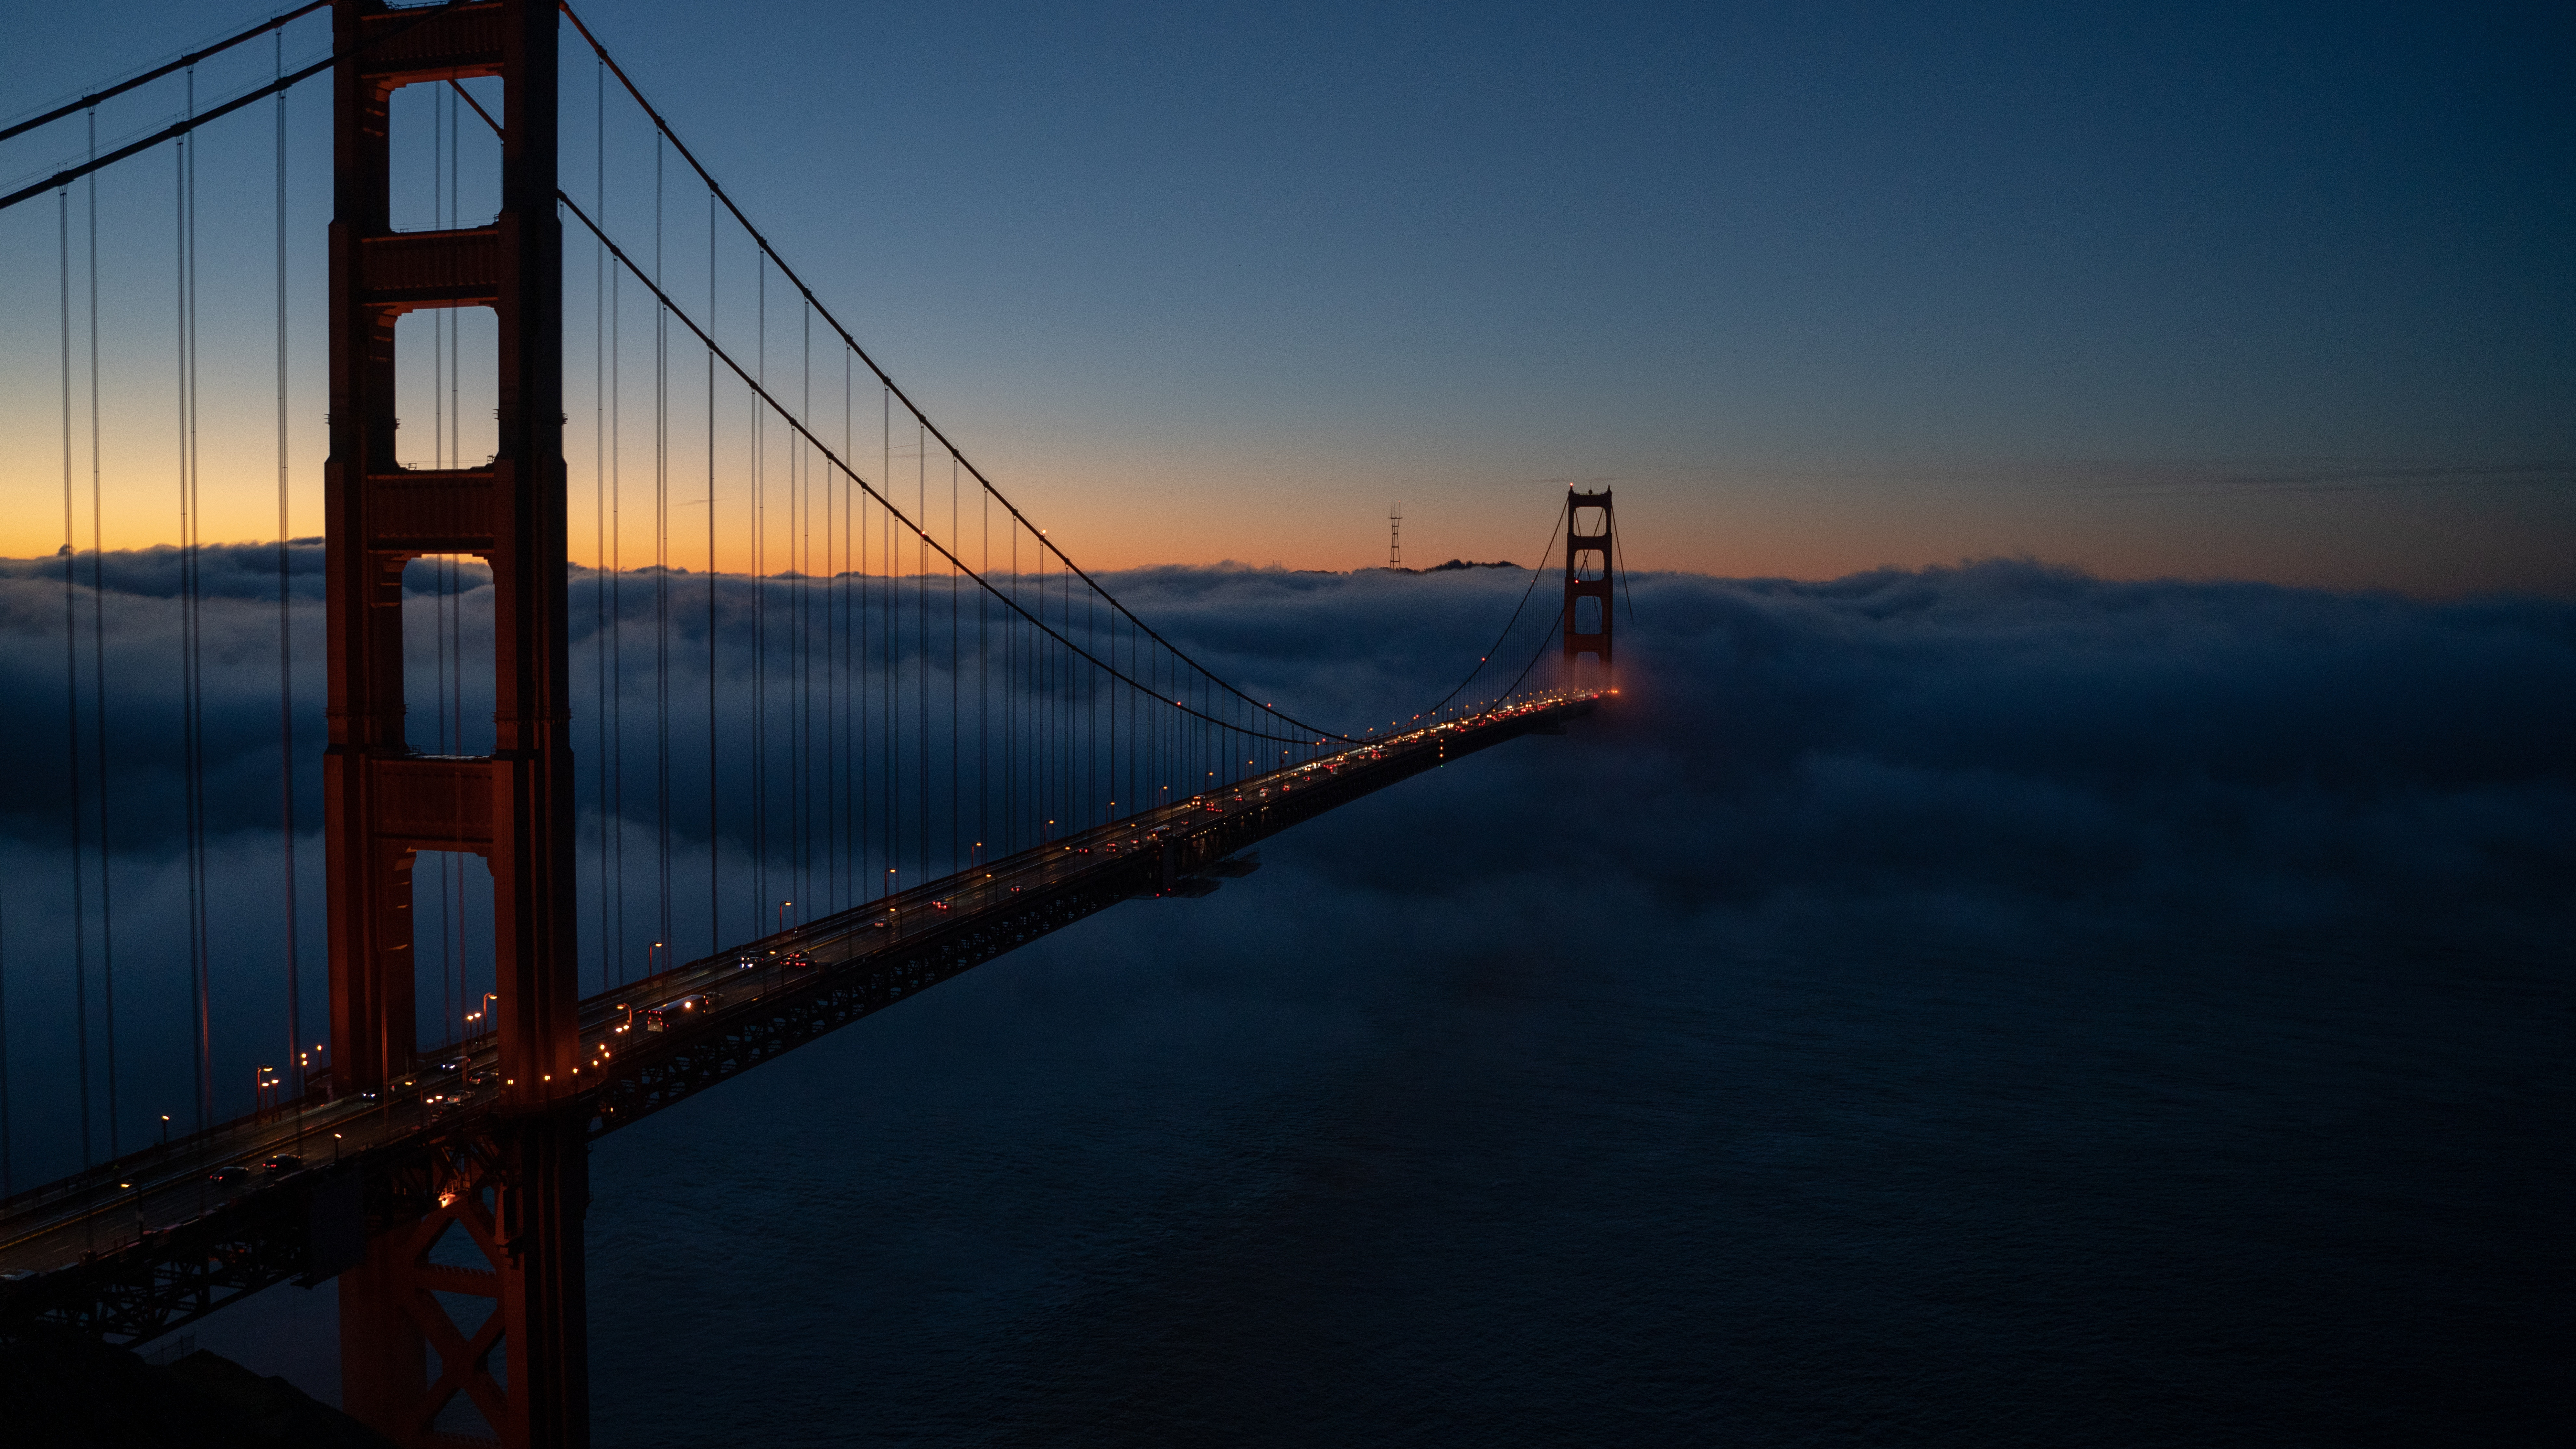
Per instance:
x=135, y=1248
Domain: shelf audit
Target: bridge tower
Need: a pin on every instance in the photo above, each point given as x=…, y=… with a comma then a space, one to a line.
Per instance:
x=515, y=1193
x=1589, y=526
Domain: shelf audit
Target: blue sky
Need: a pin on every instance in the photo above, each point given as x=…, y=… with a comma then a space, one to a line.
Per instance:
x=2280, y=292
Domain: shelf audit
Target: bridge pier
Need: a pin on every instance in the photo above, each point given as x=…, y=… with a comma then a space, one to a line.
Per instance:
x=505, y=1237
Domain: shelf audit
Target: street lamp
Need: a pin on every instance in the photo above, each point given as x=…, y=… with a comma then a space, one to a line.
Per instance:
x=165, y=1131
x=481, y=1008
x=648, y=957
x=782, y=916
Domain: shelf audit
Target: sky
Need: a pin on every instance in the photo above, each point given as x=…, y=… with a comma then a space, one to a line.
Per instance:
x=2275, y=293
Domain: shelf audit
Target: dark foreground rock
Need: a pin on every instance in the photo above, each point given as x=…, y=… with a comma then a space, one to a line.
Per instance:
x=62, y=1391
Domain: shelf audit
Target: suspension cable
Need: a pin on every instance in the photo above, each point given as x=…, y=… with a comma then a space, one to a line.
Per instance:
x=1535, y=574
x=1619, y=542
x=90, y=101
x=1544, y=640
x=894, y=513
x=196, y=118
x=664, y=129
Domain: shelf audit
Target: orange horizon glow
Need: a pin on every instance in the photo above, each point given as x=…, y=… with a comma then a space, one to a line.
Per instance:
x=1201, y=502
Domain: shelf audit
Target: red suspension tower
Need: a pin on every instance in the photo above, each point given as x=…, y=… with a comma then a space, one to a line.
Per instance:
x=1588, y=528
x=513, y=1193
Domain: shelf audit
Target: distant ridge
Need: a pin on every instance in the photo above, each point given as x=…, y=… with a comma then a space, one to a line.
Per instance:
x=1455, y=563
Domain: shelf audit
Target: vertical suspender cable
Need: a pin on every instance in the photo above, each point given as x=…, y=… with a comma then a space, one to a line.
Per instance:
x=1619, y=544
x=192, y=584
x=999, y=832
x=1085, y=735
x=800, y=484
x=8, y=1146
x=455, y=97
x=452, y=865
x=760, y=607
x=438, y=319
x=814, y=800
x=71, y=693
x=661, y=565
x=613, y=930
x=984, y=689
x=715, y=835
x=442, y=602
x=957, y=860
x=885, y=622
x=599, y=578
x=845, y=895
x=285, y=626
x=862, y=742
x=456, y=586
x=98, y=669
x=921, y=626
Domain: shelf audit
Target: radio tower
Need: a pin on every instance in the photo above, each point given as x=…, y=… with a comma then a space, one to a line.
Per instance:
x=1395, y=535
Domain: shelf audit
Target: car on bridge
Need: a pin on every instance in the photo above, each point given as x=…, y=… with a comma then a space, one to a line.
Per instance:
x=228, y=1174
x=678, y=1010
x=796, y=961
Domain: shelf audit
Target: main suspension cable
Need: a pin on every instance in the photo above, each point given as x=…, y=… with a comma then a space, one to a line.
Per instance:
x=90, y=102
x=664, y=129
x=895, y=513
x=1499, y=639
x=196, y=118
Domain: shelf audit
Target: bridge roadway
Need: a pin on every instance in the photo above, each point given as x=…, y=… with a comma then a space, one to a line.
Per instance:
x=143, y=1245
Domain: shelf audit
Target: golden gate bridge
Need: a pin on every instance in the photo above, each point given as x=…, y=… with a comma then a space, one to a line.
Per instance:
x=958, y=739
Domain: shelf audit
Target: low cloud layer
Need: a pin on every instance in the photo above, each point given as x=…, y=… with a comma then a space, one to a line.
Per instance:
x=1996, y=735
